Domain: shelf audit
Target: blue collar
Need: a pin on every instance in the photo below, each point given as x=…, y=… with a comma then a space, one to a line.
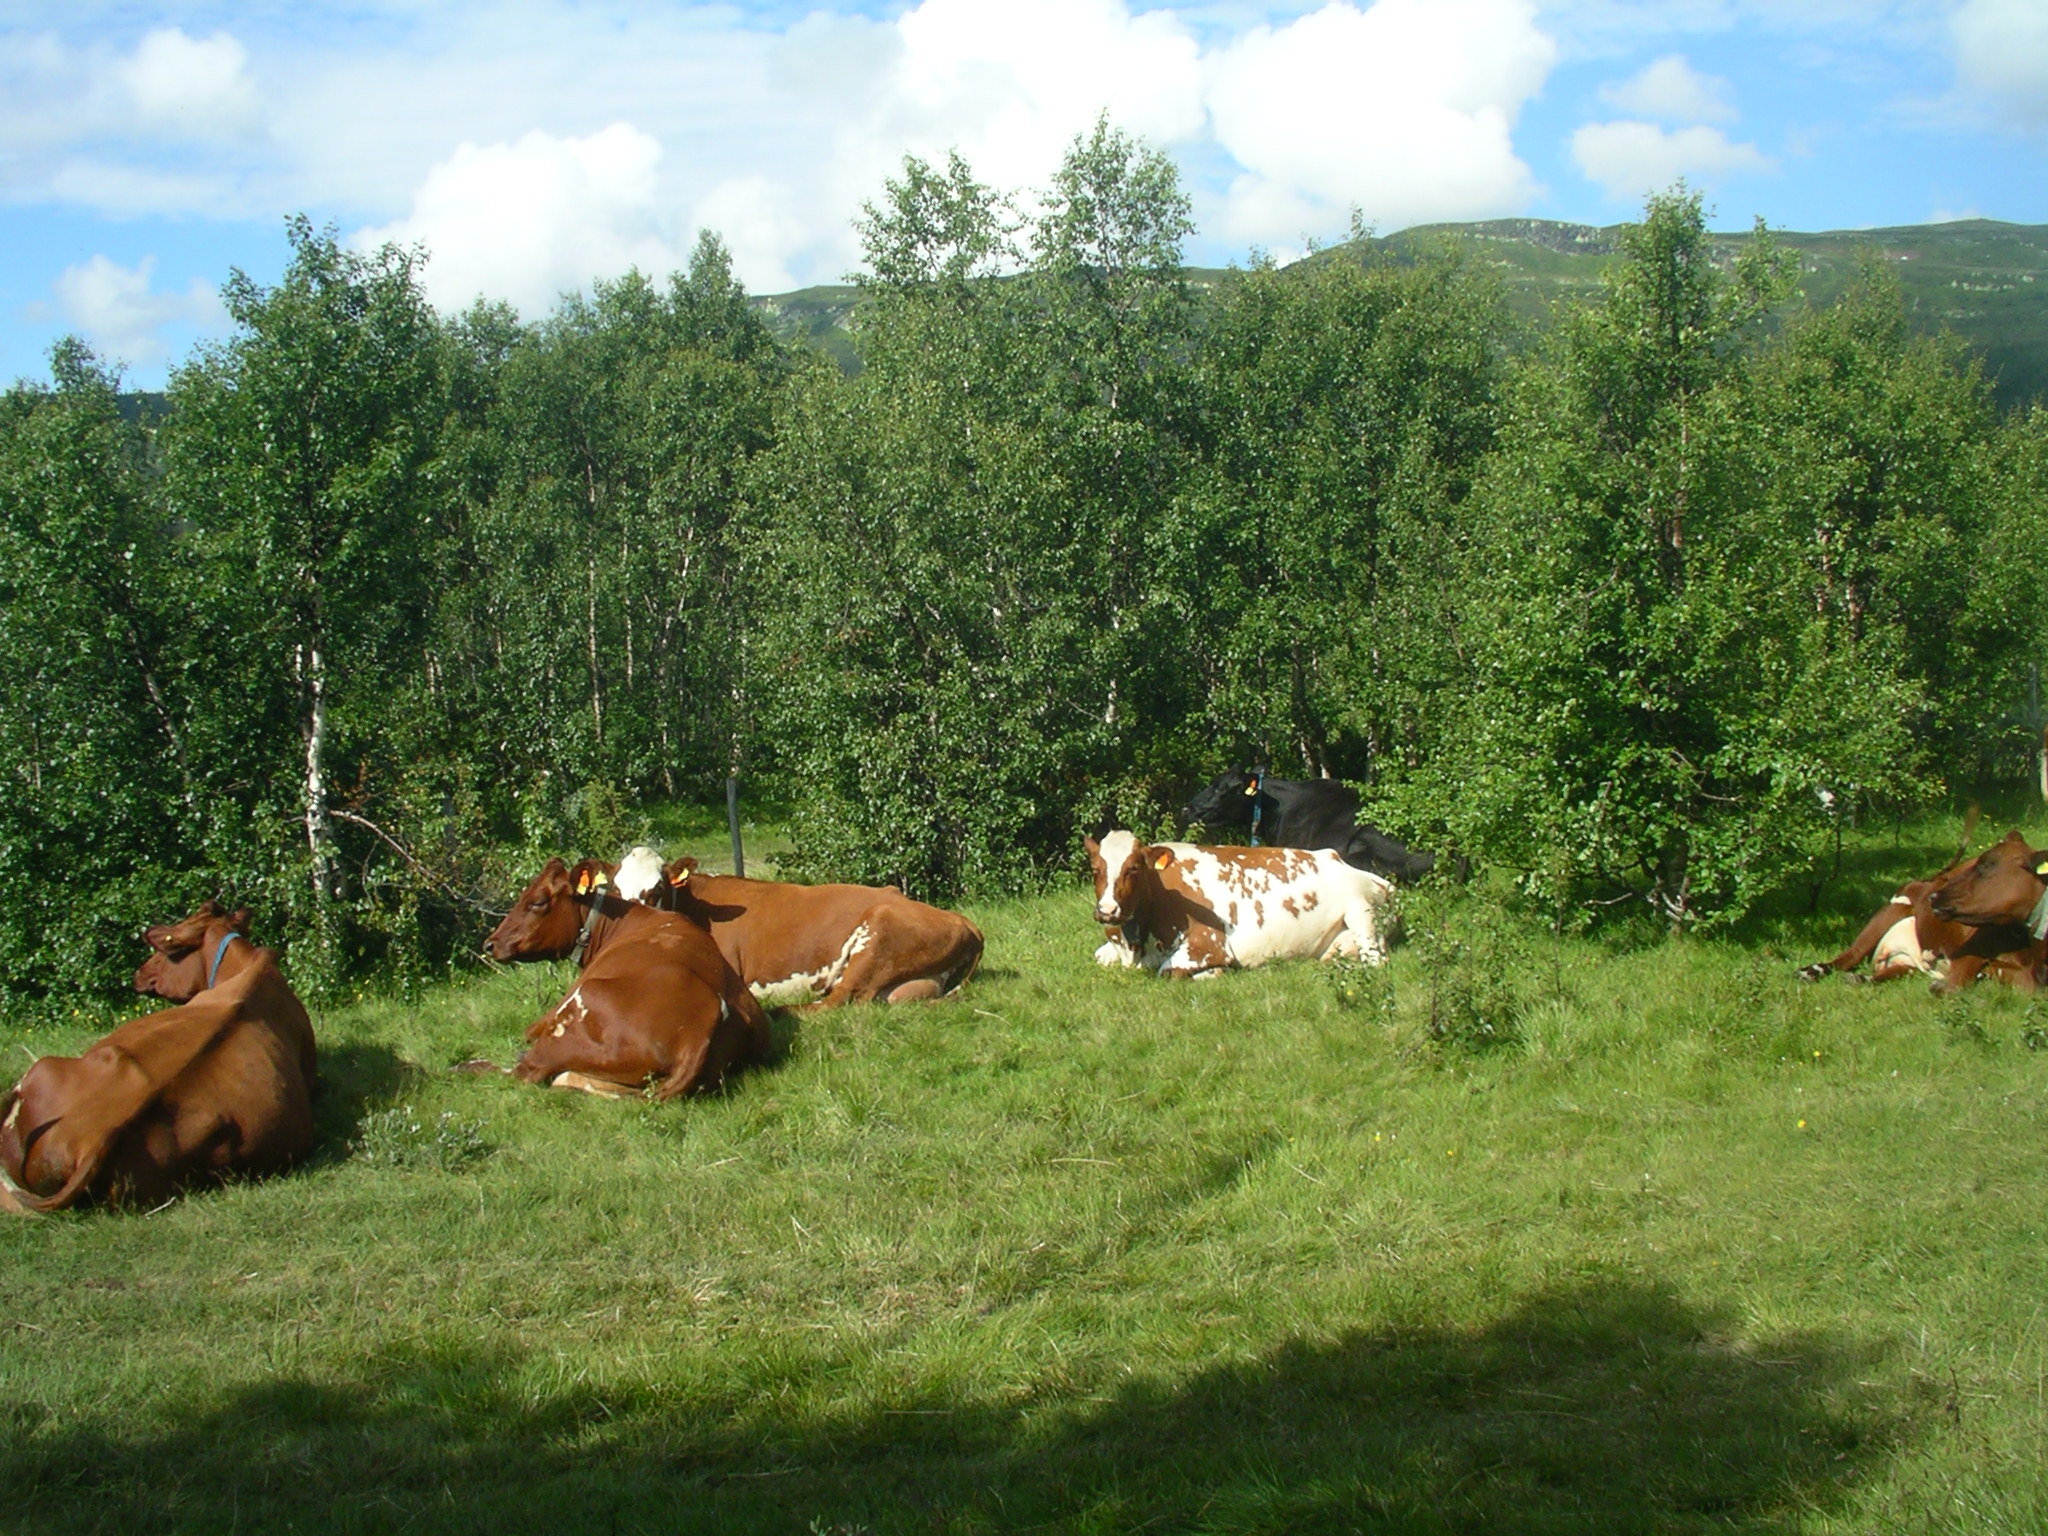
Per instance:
x=213, y=970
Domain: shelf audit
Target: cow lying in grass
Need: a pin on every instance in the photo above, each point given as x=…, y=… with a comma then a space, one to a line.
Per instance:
x=219, y=1086
x=814, y=944
x=654, y=1007
x=1975, y=918
x=1184, y=910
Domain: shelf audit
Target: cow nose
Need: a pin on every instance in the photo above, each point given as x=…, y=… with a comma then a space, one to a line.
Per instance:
x=1106, y=912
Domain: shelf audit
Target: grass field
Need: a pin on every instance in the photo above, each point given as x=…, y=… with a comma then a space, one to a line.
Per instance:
x=1657, y=1238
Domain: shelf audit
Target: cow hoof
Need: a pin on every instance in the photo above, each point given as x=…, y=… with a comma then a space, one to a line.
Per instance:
x=476, y=1066
x=1813, y=972
x=923, y=990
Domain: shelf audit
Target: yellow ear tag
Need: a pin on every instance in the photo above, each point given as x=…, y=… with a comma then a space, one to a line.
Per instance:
x=1161, y=859
x=680, y=877
x=2041, y=867
x=1251, y=789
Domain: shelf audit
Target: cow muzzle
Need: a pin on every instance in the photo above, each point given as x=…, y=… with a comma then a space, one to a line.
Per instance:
x=1108, y=912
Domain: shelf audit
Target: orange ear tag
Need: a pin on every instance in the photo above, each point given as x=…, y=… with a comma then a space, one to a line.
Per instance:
x=583, y=883
x=1161, y=859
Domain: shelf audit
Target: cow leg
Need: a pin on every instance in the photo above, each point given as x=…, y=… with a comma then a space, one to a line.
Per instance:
x=1962, y=970
x=583, y=1083
x=893, y=949
x=553, y=1055
x=1360, y=938
x=1887, y=917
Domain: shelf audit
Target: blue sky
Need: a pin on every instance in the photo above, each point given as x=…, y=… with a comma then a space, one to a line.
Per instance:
x=533, y=145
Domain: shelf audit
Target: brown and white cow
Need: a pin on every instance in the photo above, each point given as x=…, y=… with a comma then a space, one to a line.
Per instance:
x=1181, y=909
x=655, y=1005
x=221, y=1085
x=817, y=944
x=1926, y=930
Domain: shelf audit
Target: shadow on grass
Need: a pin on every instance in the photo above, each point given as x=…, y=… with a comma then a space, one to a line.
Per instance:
x=356, y=1076
x=1606, y=1406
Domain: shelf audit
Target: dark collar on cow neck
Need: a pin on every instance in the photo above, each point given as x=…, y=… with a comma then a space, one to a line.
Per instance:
x=2037, y=920
x=1258, y=804
x=597, y=896
x=220, y=949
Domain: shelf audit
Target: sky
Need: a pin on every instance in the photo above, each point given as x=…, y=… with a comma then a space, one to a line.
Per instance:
x=149, y=150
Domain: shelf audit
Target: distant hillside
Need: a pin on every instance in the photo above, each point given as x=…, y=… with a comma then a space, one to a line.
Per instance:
x=1984, y=280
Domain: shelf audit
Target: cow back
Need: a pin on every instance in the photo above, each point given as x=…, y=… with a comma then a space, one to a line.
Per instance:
x=221, y=1084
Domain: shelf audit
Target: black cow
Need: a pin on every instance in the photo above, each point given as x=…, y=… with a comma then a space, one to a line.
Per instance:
x=1305, y=813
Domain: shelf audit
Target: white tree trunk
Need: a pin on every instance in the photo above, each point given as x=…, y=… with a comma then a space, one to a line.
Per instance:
x=319, y=837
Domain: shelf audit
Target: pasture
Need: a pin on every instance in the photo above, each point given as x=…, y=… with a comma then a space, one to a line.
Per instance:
x=1521, y=1233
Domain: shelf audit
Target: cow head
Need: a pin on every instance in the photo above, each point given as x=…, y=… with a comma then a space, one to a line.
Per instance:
x=546, y=919
x=1226, y=801
x=1122, y=867
x=640, y=876
x=2005, y=886
x=177, y=971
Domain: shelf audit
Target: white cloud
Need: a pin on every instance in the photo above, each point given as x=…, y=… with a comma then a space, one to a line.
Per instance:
x=1670, y=90
x=530, y=220
x=1629, y=159
x=1011, y=83
x=199, y=88
x=2002, y=57
x=115, y=309
x=1404, y=110
x=761, y=227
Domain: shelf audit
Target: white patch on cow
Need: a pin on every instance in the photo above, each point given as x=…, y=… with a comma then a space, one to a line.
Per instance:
x=1901, y=946
x=861, y=937
x=791, y=991
x=559, y=1030
x=639, y=873
x=570, y=1010
x=13, y=1114
x=1116, y=850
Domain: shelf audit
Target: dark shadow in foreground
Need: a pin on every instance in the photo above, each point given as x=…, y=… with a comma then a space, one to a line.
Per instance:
x=1605, y=1407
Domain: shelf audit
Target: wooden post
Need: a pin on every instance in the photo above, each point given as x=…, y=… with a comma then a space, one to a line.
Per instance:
x=2040, y=727
x=732, y=821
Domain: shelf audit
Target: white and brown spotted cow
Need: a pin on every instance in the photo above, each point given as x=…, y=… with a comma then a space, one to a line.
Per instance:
x=1181, y=909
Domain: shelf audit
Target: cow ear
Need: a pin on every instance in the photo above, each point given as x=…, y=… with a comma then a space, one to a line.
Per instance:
x=591, y=876
x=678, y=871
x=1252, y=788
x=239, y=920
x=1161, y=857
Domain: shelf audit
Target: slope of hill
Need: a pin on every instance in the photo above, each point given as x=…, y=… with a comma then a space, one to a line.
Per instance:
x=1984, y=280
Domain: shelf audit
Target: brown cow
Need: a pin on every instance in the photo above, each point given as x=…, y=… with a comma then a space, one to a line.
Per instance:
x=1922, y=931
x=2005, y=887
x=654, y=1007
x=221, y=1085
x=822, y=944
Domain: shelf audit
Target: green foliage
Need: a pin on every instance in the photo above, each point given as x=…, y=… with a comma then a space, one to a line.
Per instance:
x=97, y=794
x=394, y=605
x=1672, y=692
x=402, y=1138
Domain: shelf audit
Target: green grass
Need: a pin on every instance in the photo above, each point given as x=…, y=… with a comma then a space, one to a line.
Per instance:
x=1691, y=1247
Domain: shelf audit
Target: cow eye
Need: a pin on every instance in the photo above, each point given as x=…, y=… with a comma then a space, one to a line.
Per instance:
x=540, y=903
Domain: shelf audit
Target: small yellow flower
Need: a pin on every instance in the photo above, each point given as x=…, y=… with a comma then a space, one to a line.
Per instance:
x=1802, y=1125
